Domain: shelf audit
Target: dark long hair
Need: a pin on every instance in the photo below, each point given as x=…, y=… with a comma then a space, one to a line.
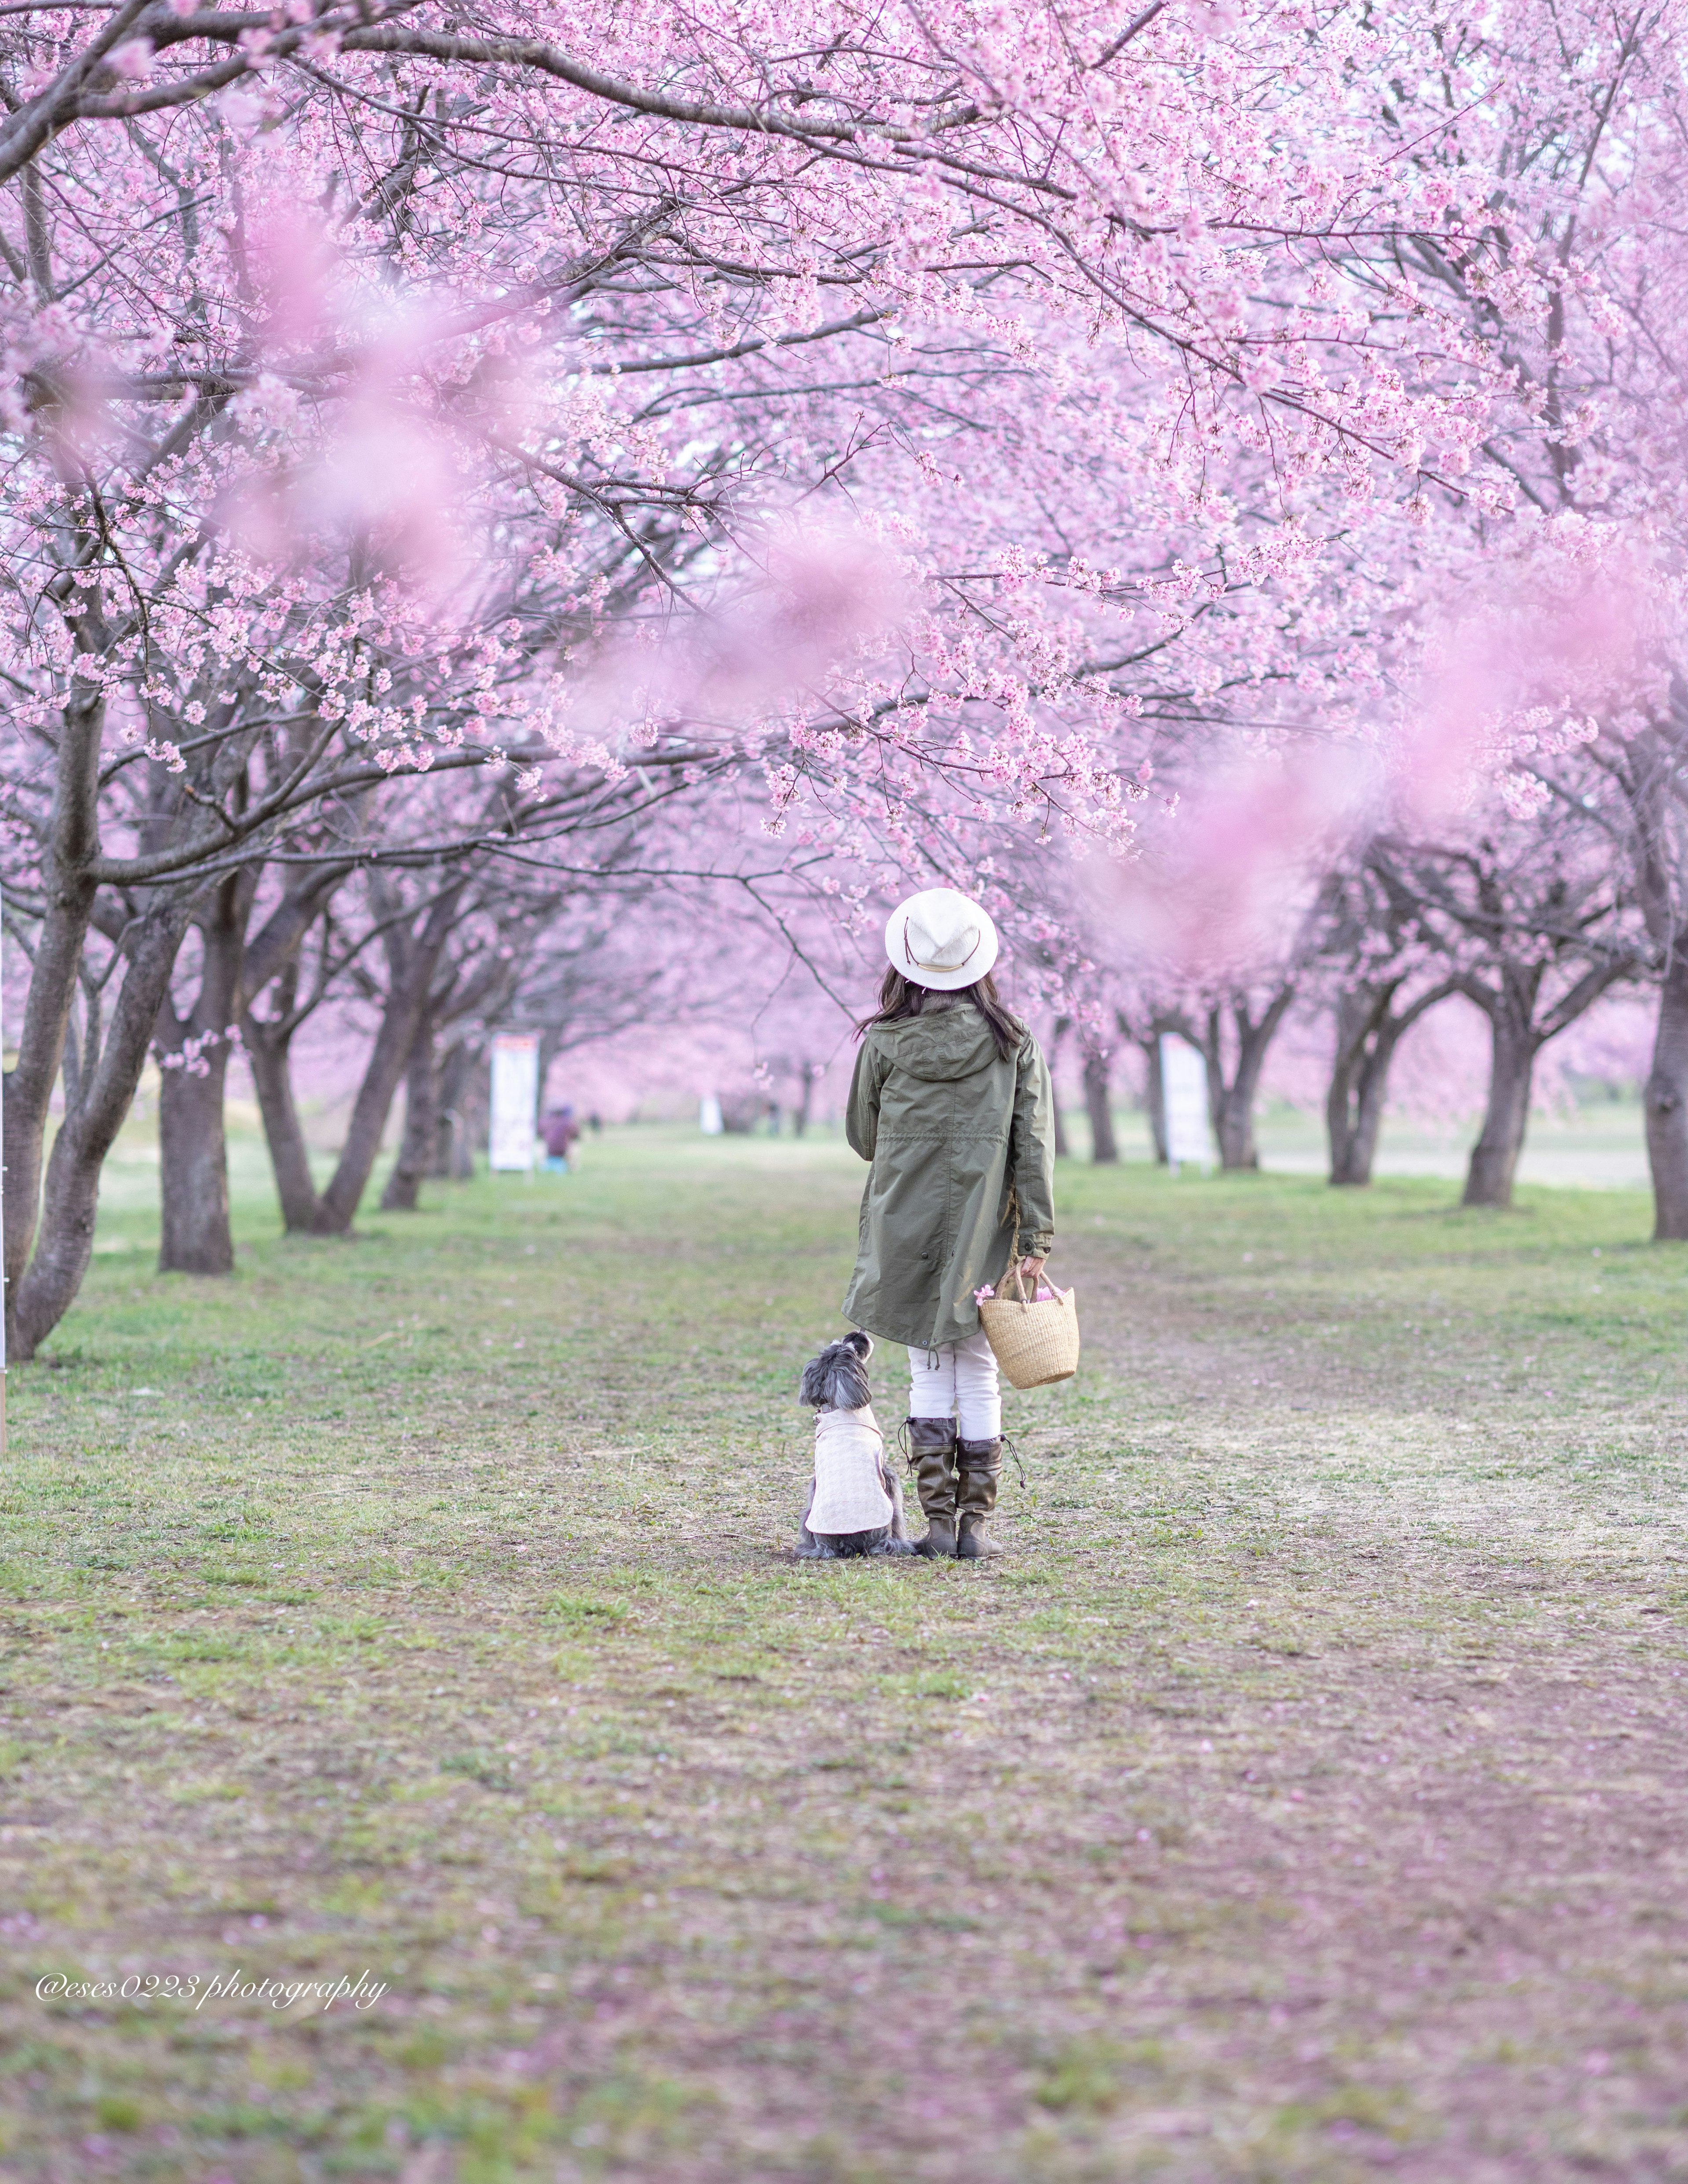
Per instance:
x=899, y=998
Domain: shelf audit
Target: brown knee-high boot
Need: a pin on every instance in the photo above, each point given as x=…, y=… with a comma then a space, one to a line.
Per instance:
x=932, y=1451
x=981, y=1468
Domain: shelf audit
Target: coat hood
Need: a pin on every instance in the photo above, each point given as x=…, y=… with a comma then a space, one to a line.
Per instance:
x=947, y=1045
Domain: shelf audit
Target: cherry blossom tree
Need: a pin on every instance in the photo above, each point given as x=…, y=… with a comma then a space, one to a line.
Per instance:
x=1370, y=967
x=1534, y=927
x=194, y=1038
x=581, y=959
x=1554, y=654
x=919, y=422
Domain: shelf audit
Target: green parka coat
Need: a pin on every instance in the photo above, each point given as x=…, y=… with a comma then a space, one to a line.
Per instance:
x=949, y=1127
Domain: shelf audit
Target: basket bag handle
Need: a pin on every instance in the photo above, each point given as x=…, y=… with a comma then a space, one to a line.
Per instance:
x=1012, y=1271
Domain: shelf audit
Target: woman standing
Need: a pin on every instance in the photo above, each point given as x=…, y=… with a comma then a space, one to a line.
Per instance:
x=951, y=1103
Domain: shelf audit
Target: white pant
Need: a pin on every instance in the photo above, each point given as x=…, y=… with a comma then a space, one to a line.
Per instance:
x=958, y=1380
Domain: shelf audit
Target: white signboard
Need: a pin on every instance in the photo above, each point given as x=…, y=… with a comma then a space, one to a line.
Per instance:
x=1184, y=1089
x=515, y=1099
x=708, y=1116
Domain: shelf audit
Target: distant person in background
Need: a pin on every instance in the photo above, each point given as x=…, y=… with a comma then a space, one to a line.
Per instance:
x=595, y=1122
x=560, y=1130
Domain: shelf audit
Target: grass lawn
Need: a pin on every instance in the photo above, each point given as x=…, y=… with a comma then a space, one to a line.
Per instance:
x=1302, y=1797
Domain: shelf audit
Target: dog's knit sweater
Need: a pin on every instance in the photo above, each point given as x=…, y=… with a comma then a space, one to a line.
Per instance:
x=850, y=1494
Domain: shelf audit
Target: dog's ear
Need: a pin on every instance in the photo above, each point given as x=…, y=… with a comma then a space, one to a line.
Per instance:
x=850, y=1388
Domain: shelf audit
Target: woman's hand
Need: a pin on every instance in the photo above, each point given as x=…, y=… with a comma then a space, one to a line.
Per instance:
x=1030, y=1268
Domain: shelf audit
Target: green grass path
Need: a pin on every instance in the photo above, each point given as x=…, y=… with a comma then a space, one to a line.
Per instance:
x=1302, y=1797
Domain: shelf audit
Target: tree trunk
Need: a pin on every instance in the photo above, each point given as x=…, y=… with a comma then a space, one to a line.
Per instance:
x=73, y=839
x=268, y=1051
x=1231, y=1106
x=193, y=1164
x=1361, y=1149
x=105, y=1088
x=1366, y=1037
x=808, y=1077
x=1063, y=1148
x=1353, y=1105
x=471, y=1108
x=1155, y=1093
x=1234, y=1130
x=1665, y=1103
x=1494, y=1157
x=1104, y=1152
x=421, y=1114
x=454, y=1154
x=272, y=960
x=193, y=1168
x=29, y=1087
x=414, y=959
x=370, y=1111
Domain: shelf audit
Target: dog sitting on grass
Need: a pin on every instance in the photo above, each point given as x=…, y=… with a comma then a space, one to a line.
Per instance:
x=855, y=1503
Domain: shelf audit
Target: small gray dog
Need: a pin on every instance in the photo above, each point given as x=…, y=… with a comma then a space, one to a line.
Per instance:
x=855, y=1503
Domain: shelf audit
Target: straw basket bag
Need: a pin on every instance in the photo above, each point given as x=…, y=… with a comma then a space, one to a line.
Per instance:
x=1034, y=1343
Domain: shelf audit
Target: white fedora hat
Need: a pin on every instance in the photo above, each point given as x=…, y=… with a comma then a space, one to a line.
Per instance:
x=940, y=939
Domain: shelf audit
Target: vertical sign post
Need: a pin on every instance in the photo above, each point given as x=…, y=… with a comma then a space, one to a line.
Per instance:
x=1183, y=1076
x=516, y=1101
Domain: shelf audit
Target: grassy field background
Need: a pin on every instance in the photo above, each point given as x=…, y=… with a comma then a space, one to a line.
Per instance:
x=1302, y=1797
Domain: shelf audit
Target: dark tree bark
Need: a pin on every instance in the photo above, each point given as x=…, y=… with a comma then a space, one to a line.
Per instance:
x=1353, y=1104
x=1230, y=1105
x=195, y=1237
x=268, y=1051
x=72, y=845
x=413, y=958
x=1367, y=1032
x=808, y=1077
x=422, y=1124
x=1154, y=1078
x=1652, y=769
x=99, y=1090
x=551, y=1044
x=1516, y=1038
x=272, y=963
x=453, y=1147
x=1063, y=1149
x=470, y=1106
x=805, y=1113
x=1494, y=1157
x=1104, y=1151
x=194, y=1055
x=1666, y=1106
